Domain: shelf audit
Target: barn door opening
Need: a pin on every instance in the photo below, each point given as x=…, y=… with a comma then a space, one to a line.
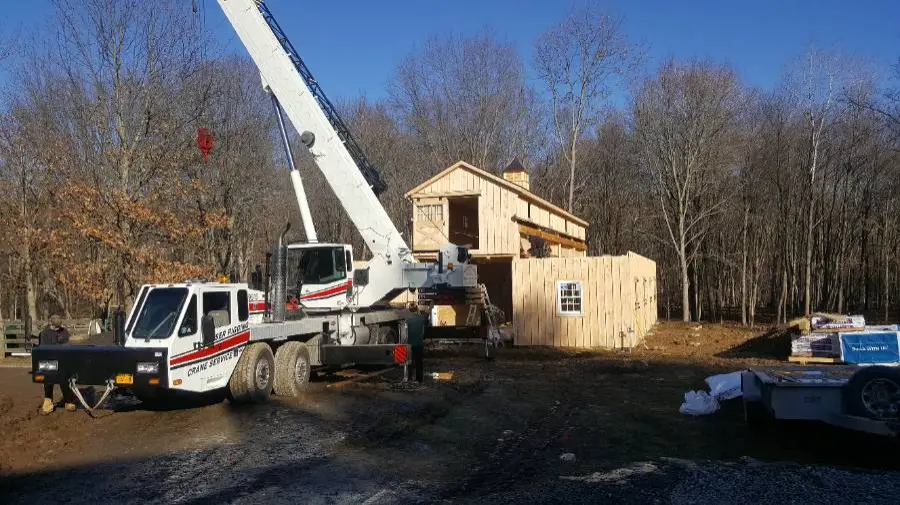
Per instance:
x=464, y=221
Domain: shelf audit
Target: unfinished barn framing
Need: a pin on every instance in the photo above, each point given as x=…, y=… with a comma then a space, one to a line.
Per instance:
x=511, y=233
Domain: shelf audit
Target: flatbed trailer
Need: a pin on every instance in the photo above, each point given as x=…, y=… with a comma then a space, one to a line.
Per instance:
x=858, y=398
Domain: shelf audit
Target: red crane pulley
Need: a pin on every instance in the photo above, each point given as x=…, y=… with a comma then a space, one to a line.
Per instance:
x=206, y=142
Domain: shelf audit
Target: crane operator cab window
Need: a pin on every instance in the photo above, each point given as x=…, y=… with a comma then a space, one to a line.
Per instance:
x=316, y=265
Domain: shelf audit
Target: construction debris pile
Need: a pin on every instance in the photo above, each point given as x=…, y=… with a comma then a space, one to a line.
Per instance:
x=837, y=338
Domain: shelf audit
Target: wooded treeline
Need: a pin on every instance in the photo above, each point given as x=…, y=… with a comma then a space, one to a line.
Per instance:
x=753, y=202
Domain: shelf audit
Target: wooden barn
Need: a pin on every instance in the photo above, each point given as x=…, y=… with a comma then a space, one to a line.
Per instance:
x=496, y=217
x=510, y=230
x=595, y=301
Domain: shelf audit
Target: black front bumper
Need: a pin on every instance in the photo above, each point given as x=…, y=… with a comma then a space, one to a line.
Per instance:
x=95, y=365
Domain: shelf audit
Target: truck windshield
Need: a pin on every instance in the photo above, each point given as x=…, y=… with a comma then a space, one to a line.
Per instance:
x=159, y=313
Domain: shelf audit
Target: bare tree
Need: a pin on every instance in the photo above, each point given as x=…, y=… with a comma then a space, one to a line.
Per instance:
x=466, y=99
x=814, y=86
x=684, y=119
x=579, y=60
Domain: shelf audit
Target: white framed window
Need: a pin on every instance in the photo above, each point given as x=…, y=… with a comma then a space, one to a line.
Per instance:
x=433, y=213
x=569, y=300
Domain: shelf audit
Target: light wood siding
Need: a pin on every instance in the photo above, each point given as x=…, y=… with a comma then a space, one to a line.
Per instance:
x=497, y=232
x=540, y=216
x=557, y=223
x=521, y=207
x=618, y=296
x=576, y=230
x=429, y=234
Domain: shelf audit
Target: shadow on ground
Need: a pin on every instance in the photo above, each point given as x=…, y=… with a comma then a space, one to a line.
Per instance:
x=496, y=426
x=774, y=343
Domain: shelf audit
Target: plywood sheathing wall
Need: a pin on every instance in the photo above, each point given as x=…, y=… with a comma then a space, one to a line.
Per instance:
x=618, y=297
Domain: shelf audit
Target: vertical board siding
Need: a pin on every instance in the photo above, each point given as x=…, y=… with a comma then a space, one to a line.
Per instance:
x=497, y=207
x=618, y=299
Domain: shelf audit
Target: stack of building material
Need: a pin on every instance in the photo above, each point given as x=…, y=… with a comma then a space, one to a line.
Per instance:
x=834, y=338
x=816, y=339
x=816, y=345
x=836, y=322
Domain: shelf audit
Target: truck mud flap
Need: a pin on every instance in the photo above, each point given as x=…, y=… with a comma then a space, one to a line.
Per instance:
x=380, y=354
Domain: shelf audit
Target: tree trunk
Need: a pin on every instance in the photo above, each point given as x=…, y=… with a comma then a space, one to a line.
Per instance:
x=30, y=294
x=698, y=309
x=807, y=279
x=572, y=176
x=887, y=282
x=685, y=284
x=783, y=301
x=744, y=267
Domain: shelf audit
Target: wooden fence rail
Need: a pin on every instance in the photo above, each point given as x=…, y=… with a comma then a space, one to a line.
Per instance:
x=14, y=342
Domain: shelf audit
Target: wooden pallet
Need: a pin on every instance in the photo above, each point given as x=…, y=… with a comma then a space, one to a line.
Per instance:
x=803, y=360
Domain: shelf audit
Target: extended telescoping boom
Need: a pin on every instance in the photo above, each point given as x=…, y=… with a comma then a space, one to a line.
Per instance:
x=352, y=178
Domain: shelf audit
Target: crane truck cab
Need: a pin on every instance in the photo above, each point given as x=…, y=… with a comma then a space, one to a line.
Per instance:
x=187, y=336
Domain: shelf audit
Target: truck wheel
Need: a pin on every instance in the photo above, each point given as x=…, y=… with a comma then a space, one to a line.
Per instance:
x=292, y=369
x=873, y=392
x=386, y=335
x=253, y=376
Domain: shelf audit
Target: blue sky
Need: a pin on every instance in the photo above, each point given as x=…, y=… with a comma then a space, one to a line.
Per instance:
x=353, y=46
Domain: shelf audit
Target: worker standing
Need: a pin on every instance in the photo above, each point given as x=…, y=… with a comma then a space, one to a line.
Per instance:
x=55, y=334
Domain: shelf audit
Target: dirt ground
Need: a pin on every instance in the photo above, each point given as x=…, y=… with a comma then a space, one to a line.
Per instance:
x=495, y=433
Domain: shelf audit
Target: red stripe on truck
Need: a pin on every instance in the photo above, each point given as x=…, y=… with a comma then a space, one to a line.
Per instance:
x=316, y=295
x=228, y=343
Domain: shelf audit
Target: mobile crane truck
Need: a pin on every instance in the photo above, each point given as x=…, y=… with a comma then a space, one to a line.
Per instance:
x=318, y=310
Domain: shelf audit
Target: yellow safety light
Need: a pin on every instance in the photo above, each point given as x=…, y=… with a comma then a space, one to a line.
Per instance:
x=223, y=279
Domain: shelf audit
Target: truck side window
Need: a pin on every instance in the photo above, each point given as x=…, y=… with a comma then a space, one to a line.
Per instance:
x=339, y=264
x=348, y=261
x=189, y=324
x=218, y=305
x=243, y=306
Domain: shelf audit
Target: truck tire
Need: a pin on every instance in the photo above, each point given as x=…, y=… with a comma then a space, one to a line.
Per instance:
x=386, y=335
x=292, y=369
x=873, y=392
x=253, y=376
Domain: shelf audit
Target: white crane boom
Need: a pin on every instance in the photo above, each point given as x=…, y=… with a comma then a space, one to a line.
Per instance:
x=306, y=108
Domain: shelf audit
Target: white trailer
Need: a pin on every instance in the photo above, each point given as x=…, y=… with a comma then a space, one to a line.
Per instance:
x=858, y=398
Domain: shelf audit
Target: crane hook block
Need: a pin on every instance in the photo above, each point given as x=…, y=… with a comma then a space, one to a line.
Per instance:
x=206, y=142
x=308, y=138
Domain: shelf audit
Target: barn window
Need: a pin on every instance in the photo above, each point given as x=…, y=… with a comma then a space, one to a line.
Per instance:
x=433, y=213
x=569, y=298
